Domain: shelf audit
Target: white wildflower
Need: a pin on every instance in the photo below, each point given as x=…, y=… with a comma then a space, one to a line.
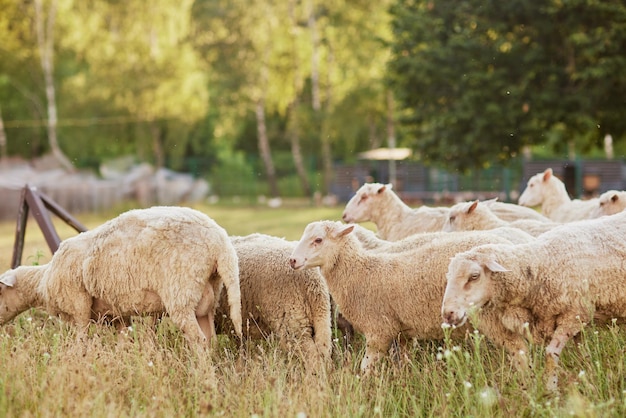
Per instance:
x=488, y=396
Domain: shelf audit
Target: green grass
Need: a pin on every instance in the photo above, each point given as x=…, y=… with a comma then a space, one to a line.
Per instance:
x=44, y=372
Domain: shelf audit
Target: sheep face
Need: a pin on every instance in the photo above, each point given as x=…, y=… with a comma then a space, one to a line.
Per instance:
x=469, y=287
x=359, y=208
x=10, y=300
x=317, y=244
x=533, y=194
x=457, y=215
x=609, y=203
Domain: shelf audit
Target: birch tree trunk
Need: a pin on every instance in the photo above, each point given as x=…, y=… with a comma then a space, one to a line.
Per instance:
x=264, y=147
x=45, y=42
x=3, y=140
x=293, y=125
x=316, y=101
x=391, y=136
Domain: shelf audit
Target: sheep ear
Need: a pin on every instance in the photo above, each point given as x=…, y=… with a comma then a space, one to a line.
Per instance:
x=345, y=231
x=472, y=206
x=493, y=265
x=547, y=174
x=8, y=280
x=614, y=198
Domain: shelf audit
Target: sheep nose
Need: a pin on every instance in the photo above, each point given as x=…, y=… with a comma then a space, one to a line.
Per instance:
x=292, y=263
x=449, y=317
x=344, y=217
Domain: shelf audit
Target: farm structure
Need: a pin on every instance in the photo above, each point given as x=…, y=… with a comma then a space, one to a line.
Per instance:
x=417, y=183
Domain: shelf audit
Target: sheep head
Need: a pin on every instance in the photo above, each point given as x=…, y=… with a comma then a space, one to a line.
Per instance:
x=609, y=203
x=11, y=303
x=457, y=215
x=534, y=193
x=318, y=243
x=360, y=207
x=469, y=285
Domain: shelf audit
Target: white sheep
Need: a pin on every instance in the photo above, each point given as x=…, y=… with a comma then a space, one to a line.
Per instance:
x=547, y=190
x=563, y=278
x=395, y=220
x=609, y=203
x=172, y=260
x=473, y=216
x=510, y=212
x=275, y=299
x=385, y=295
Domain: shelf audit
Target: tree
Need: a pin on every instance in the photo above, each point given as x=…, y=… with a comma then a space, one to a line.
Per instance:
x=478, y=80
x=136, y=60
x=45, y=42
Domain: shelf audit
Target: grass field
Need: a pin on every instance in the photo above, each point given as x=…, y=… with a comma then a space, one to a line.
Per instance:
x=43, y=372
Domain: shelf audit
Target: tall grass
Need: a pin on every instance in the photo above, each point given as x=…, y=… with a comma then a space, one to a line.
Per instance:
x=152, y=373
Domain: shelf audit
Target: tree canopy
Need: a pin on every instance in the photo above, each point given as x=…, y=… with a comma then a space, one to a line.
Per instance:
x=479, y=80
x=303, y=83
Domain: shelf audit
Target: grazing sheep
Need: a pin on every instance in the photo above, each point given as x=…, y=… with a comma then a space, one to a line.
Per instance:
x=564, y=278
x=275, y=299
x=547, y=190
x=474, y=216
x=394, y=219
x=386, y=295
x=609, y=203
x=171, y=260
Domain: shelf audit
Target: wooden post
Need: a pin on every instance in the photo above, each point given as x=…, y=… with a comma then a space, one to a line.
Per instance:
x=40, y=204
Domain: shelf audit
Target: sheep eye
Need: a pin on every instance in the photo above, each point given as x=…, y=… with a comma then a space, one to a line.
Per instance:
x=473, y=277
x=363, y=198
x=318, y=240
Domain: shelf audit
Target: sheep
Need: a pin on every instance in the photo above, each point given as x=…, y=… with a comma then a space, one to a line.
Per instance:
x=472, y=216
x=275, y=299
x=386, y=295
x=370, y=241
x=395, y=220
x=172, y=260
x=564, y=278
x=510, y=212
x=609, y=203
x=547, y=190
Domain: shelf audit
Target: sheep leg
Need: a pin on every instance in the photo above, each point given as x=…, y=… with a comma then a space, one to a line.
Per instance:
x=565, y=330
x=79, y=313
x=188, y=324
x=207, y=325
x=374, y=351
x=496, y=325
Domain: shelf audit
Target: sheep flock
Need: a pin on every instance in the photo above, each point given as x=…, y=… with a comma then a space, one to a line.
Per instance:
x=513, y=273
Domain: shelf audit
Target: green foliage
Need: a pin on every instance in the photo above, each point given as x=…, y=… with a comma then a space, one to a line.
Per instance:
x=480, y=80
x=178, y=81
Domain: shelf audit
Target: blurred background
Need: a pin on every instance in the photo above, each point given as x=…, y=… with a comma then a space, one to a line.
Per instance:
x=164, y=101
